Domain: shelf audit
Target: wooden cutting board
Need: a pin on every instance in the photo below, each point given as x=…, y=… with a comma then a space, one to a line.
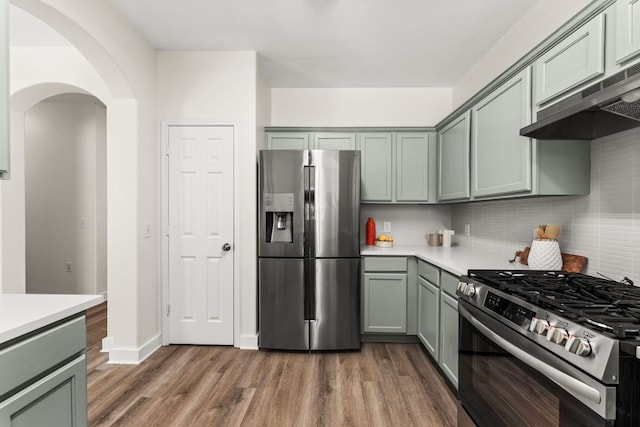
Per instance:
x=570, y=262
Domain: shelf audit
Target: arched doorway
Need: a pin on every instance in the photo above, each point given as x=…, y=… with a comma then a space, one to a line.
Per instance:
x=65, y=195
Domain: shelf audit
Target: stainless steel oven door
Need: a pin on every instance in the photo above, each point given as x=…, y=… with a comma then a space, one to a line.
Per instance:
x=507, y=380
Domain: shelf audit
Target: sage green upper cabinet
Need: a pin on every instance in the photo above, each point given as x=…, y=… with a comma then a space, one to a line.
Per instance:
x=4, y=89
x=334, y=141
x=453, y=159
x=627, y=30
x=500, y=157
x=575, y=60
x=287, y=141
x=398, y=167
x=376, y=166
x=415, y=167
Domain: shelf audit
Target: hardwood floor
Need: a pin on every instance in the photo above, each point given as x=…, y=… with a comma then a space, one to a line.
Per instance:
x=179, y=385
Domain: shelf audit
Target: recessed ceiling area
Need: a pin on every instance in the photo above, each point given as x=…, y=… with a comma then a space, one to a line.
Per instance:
x=323, y=43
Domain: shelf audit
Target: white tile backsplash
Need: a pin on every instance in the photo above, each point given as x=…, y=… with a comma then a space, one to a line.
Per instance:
x=409, y=224
x=604, y=226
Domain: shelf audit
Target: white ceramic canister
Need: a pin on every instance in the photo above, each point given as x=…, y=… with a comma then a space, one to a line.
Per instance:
x=545, y=255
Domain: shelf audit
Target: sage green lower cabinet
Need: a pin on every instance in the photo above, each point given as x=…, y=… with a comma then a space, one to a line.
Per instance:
x=449, y=337
x=384, y=295
x=44, y=378
x=57, y=400
x=385, y=303
x=288, y=141
x=429, y=316
x=449, y=326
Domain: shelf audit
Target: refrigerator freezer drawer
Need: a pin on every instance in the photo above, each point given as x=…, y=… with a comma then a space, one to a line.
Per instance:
x=337, y=305
x=309, y=304
x=281, y=301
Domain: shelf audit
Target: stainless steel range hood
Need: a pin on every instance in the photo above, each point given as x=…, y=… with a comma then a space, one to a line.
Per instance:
x=607, y=107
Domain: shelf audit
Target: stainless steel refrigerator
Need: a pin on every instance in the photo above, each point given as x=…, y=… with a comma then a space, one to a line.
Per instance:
x=309, y=250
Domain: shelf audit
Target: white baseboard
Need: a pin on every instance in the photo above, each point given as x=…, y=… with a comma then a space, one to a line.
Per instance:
x=248, y=342
x=130, y=356
x=107, y=344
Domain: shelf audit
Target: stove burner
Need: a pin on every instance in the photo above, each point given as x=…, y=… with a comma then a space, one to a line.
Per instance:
x=602, y=304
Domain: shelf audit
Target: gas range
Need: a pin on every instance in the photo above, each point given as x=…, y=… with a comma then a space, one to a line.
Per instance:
x=584, y=320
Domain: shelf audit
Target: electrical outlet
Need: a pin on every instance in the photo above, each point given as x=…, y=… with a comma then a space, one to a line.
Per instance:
x=83, y=223
x=67, y=266
x=467, y=229
x=387, y=227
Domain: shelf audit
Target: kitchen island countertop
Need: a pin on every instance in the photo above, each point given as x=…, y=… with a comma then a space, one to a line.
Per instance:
x=24, y=313
x=456, y=260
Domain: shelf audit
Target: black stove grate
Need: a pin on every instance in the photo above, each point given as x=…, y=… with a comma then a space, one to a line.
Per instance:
x=598, y=303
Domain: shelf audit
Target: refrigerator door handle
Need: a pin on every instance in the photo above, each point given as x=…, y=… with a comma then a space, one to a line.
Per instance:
x=309, y=290
x=309, y=210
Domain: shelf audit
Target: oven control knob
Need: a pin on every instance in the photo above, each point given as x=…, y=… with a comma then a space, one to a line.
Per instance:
x=557, y=335
x=579, y=346
x=539, y=326
x=466, y=289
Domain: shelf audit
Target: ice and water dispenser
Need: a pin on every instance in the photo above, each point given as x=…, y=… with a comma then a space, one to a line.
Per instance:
x=279, y=222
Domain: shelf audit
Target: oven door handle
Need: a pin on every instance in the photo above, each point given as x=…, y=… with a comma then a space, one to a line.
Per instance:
x=565, y=381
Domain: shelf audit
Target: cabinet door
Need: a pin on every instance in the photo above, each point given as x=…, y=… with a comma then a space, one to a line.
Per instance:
x=376, y=162
x=500, y=157
x=414, y=154
x=59, y=399
x=334, y=141
x=575, y=60
x=4, y=89
x=287, y=141
x=627, y=29
x=449, y=337
x=385, y=302
x=453, y=159
x=429, y=316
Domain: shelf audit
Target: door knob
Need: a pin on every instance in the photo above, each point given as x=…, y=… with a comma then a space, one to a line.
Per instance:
x=226, y=247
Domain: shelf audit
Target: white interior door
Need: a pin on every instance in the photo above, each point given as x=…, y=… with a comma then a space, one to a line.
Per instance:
x=200, y=225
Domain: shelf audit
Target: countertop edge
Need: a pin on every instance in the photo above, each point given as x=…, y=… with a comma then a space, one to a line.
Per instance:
x=76, y=304
x=456, y=260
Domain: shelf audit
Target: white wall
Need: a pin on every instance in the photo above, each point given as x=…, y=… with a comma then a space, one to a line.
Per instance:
x=126, y=66
x=603, y=226
x=359, y=107
x=545, y=17
x=64, y=153
x=221, y=87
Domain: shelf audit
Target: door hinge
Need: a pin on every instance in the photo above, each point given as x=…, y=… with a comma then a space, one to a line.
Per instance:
x=168, y=310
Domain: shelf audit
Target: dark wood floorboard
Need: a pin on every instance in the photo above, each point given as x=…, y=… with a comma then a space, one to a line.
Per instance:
x=180, y=385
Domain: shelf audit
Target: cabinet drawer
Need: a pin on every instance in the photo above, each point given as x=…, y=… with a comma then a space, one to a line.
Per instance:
x=449, y=283
x=385, y=264
x=429, y=272
x=37, y=354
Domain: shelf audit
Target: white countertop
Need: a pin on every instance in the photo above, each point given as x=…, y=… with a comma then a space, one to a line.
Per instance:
x=24, y=313
x=456, y=260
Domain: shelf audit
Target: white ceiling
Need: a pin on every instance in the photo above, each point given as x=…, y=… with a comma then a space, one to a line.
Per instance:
x=331, y=43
